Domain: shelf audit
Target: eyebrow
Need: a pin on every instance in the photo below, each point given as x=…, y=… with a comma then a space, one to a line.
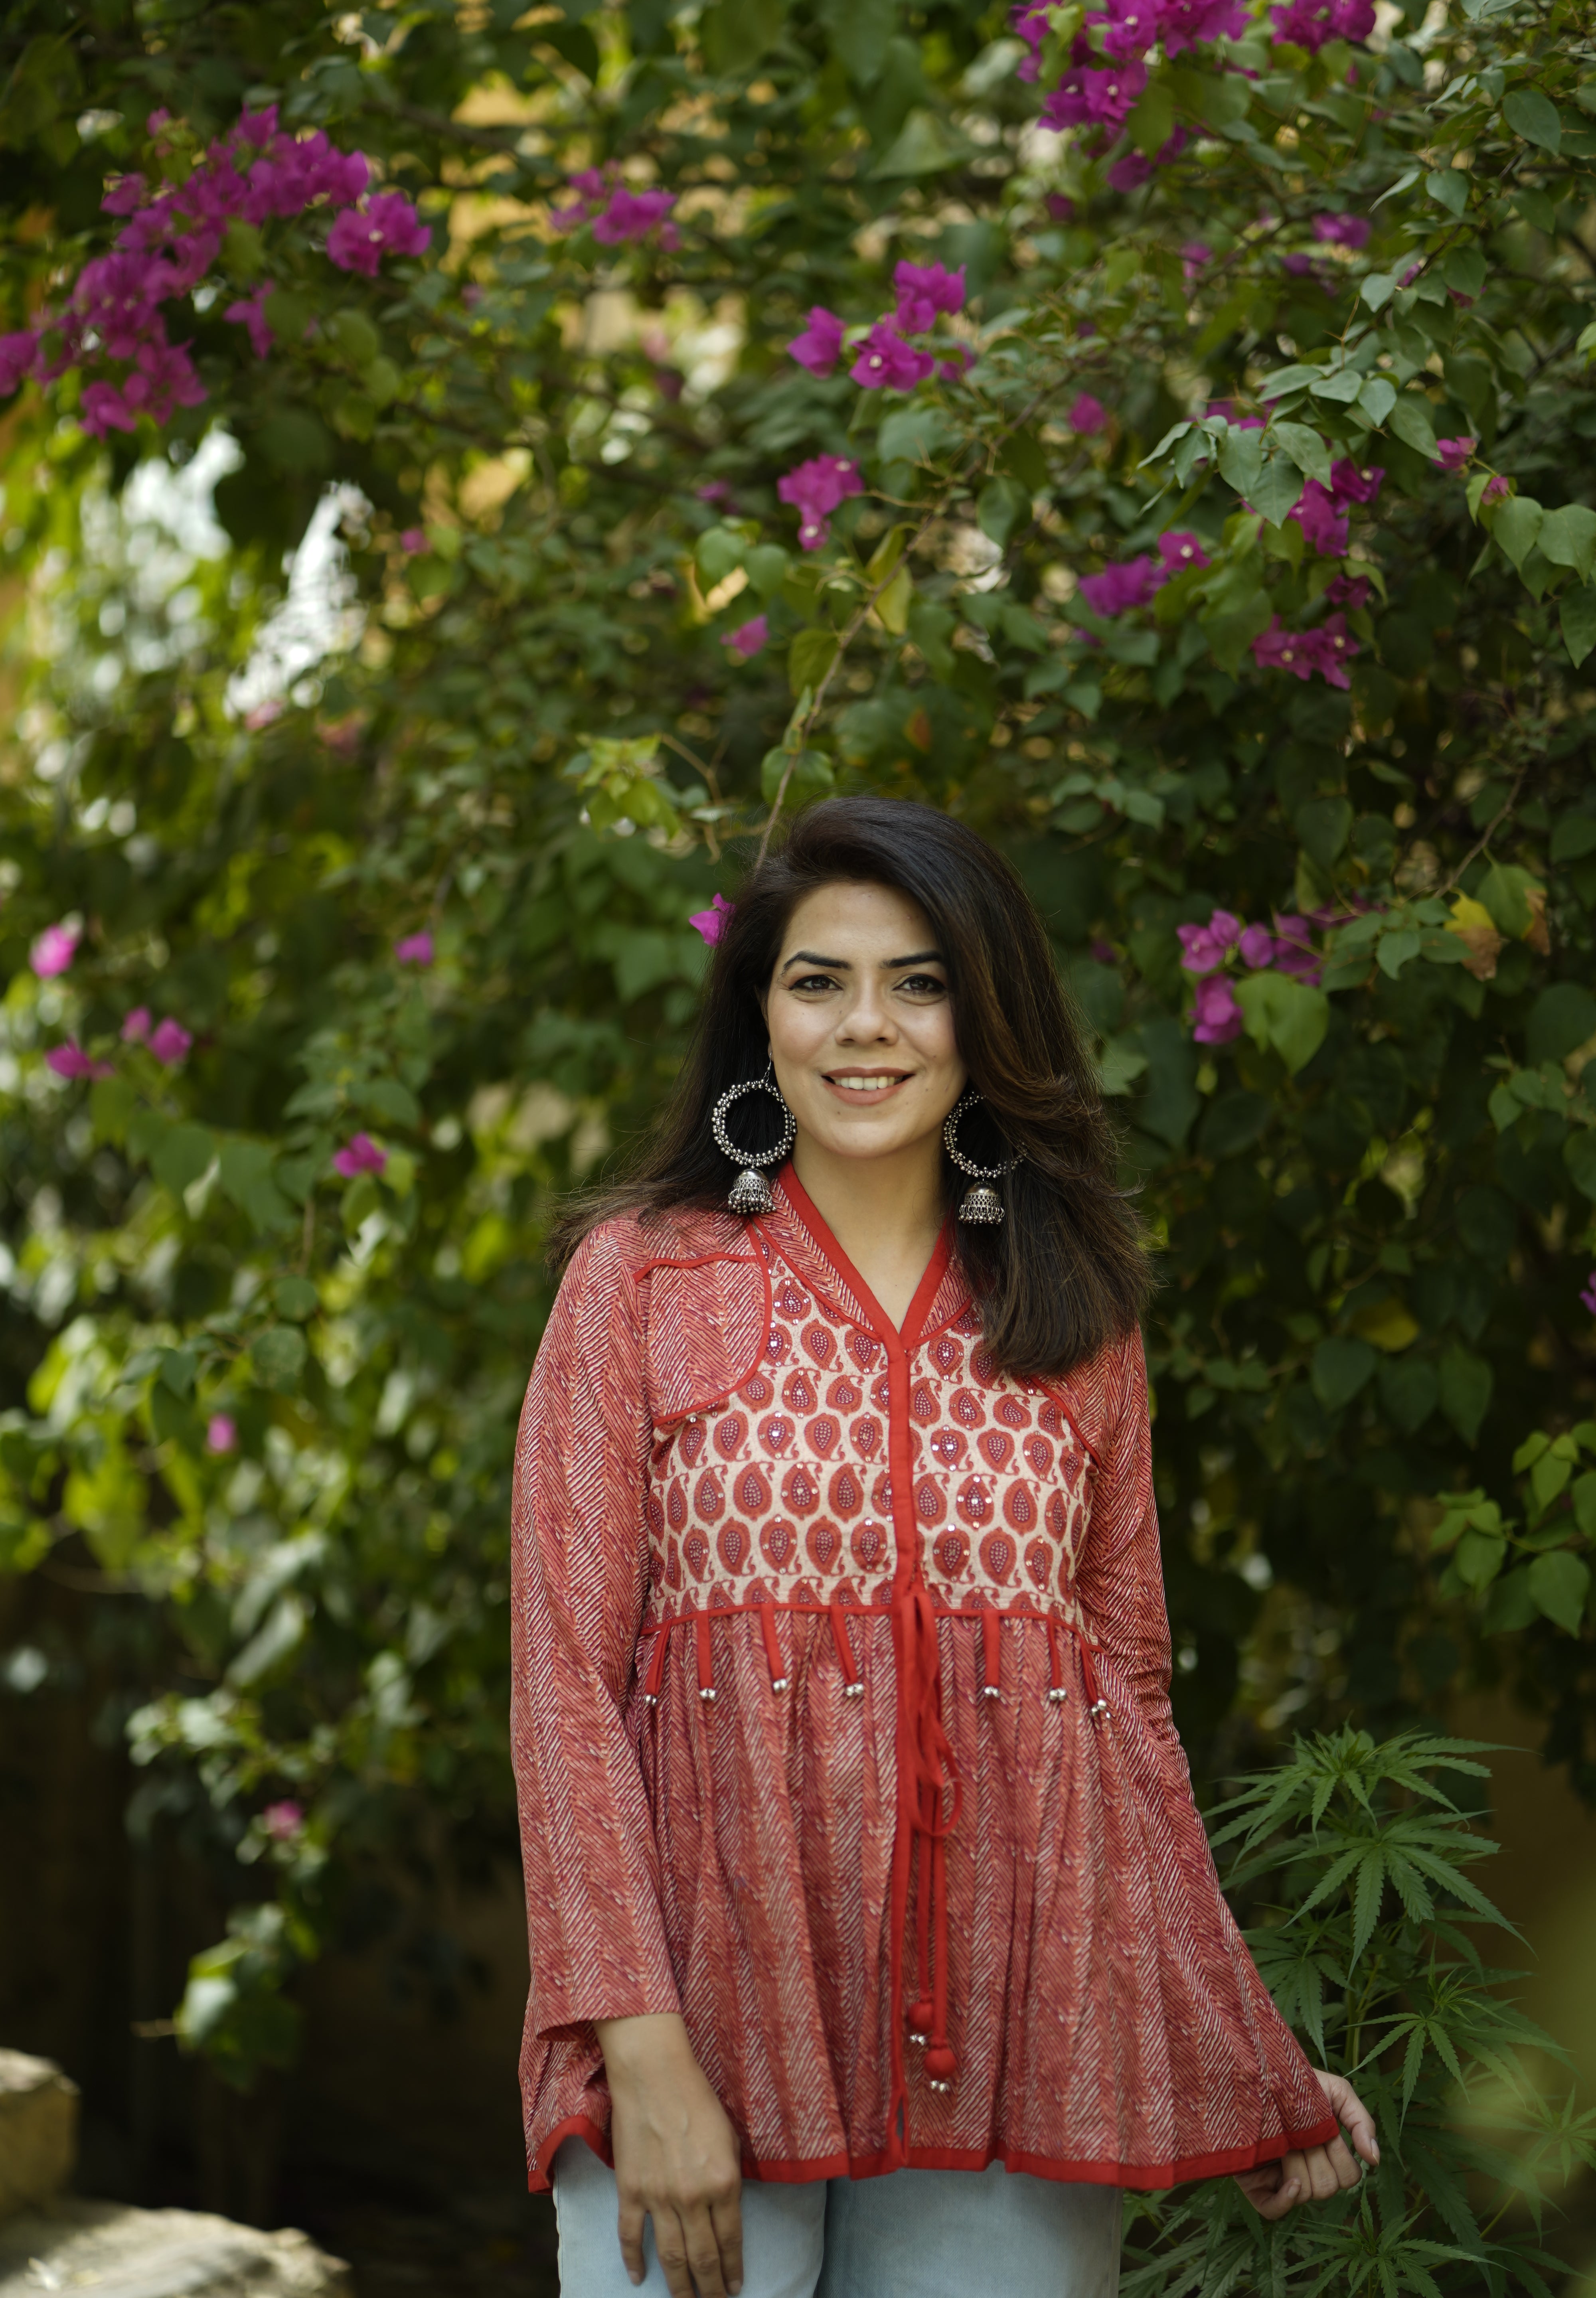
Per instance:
x=844, y=965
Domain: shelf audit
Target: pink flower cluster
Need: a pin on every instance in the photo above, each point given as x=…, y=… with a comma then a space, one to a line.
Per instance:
x=168, y=1040
x=1327, y=649
x=414, y=949
x=1342, y=231
x=712, y=923
x=1455, y=454
x=886, y=360
x=616, y=212
x=1309, y=23
x=360, y=1155
x=748, y=638
x=1206, y=948
x=1132, y=584
x=1131, y=28
x=55, y=951
x=166, y=247
x=1322, y=512
x=814, y=489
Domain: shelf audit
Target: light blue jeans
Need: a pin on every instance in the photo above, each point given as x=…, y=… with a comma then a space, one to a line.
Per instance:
x=913, y=2233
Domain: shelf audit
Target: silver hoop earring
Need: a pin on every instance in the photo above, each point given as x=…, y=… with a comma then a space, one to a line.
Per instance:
x=979, y=1203
x=750, y=1191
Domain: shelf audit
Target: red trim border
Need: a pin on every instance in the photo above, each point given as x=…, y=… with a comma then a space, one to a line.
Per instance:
x=1148, y=2176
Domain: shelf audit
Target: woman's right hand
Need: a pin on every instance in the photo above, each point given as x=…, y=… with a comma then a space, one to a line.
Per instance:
x=676, y=2158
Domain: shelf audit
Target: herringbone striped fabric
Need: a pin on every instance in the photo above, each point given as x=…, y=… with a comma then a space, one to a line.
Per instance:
x=841, y=1723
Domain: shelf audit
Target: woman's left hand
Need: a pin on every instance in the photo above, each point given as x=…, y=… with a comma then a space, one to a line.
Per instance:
x=1315, y=2173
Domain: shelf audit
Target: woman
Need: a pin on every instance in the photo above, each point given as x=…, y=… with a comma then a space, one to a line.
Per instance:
x=857, y=1836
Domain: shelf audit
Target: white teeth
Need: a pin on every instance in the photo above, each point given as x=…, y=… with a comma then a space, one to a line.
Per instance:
x=866, y=1083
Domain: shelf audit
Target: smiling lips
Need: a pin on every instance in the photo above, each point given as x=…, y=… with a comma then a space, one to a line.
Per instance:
x=861, y=1085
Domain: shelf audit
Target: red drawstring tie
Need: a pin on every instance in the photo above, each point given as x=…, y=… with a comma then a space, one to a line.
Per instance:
x=991, y=1654
x=928, y=1775
x=772, y=1648
x=1058, y=1691
x=853, y=1687
x=706, y=1661
x=655, y=1678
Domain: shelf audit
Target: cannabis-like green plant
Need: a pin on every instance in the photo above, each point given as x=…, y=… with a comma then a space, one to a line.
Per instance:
x=1356, y=1865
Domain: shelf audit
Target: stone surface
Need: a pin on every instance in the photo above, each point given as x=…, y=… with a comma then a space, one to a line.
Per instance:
x=38, y=2131
x=117, y=2252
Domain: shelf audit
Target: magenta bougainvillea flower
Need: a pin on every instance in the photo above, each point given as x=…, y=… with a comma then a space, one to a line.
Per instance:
x=1321, y=520
x=1587, y=1299
x=1029, y=22
x=1352, y=482
x=1194, y=256
x=54, y=950
x=820, y=346
x=170, y=1043
x=1309, y=23
x=135, y=1028
x=250, y=312
x=1218, y=1018
x=924, y=291
x=1326, y=650
x=1342, y=230
x=1086, y=415
x=360, y=1155
x=1089, y=98
x=1349, y=591
x=748, y=638
x=414, y=949
x=388, y=225
x=635, y=215
x=1495, y=488
x=1182, y=23
x=814, y=489
x=1203, y=946
x=1180, y=549
x=885, y=362
x=283, y=1821
x=1118, y=589
x=1455, y=454
x=71, y=1061
x=712, y=922
x=222, y=1432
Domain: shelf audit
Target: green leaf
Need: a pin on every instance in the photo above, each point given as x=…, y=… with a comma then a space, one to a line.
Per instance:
x=1562, y=1018
x=1576, y=618
x=1151, y=122
x=1340, y=1368
x=1579, y=1156
x=1378, y=398
x=295, y=1297
x=736, y=33
x=1561, y=1582
x=1001, y=505
x=860, y=32
x=1534, y=117
x=278, y=1356
x=1323, y=825
x=184, y=1156
x=245, y=1173
x=1306, y=449
x=1288, y=1015
x=809, y=658
x=1464, y=270
x=1501, y=889
x=1567, y=537
x=767, y=566
x=1515, y=525
x=1409, y=421
x=1278, y=486
x=1466, y=1385
x=717, y=551
x=924, y=147
x=1450, y=187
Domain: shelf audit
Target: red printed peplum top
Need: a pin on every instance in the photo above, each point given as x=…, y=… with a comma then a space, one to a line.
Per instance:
x=841, y=1726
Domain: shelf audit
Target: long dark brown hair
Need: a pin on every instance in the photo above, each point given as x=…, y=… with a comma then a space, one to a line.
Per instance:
x=1067, y=1270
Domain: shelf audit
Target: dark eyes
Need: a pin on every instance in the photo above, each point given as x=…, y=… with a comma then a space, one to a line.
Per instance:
x=917, y=984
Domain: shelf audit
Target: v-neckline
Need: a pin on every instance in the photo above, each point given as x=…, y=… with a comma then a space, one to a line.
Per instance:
x=904, y=1336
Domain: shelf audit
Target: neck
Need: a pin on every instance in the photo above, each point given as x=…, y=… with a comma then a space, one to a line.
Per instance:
x=884, y=1213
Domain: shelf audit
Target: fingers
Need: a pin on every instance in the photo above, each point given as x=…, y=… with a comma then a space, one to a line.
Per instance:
x=1340, y=2158
x=1285, y=2196
x=727, y=2218
x=630, y=2227
x=1355, y=2119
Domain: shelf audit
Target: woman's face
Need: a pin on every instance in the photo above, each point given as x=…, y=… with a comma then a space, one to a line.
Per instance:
x=861, y=1023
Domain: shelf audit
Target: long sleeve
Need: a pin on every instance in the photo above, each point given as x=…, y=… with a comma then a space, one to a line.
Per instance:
x=579, y=1579
x=1121, y=1575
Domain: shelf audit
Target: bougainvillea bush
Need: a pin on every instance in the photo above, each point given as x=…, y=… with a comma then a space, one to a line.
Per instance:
x=468, y=474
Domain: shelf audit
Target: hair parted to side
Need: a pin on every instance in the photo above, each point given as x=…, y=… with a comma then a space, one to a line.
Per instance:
x=1067, y=1271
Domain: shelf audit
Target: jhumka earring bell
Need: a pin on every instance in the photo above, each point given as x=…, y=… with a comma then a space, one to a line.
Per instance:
x=750, y=1191
x=979, y=1204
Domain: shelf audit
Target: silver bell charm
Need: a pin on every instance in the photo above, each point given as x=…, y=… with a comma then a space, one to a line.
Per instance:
x=750, y=1194
x=980, y=1204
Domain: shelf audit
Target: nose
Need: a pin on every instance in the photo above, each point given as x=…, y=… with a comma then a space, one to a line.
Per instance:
x=866, y=1019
